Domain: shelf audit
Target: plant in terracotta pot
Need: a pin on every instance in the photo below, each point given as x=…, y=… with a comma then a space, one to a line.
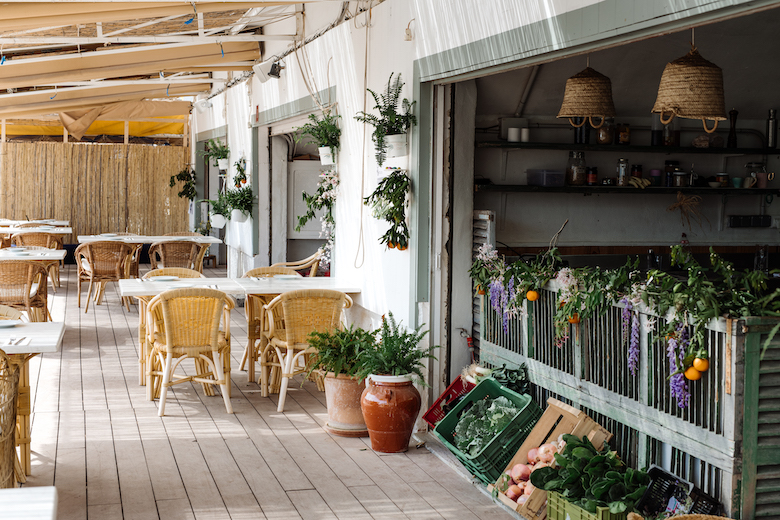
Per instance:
x=390, y=402
x=337, y=358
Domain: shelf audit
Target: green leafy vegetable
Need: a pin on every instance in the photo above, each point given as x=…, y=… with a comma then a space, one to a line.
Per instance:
x=483, y=421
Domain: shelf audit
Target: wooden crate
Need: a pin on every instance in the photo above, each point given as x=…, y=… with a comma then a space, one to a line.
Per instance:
x=557, y=419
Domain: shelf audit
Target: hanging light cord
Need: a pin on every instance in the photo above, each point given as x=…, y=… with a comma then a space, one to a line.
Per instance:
x=360, y=254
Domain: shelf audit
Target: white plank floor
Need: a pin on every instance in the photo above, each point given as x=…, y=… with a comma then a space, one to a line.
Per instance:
x=99, y=441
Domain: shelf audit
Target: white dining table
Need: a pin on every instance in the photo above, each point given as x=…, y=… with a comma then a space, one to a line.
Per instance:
x=147, y=239
x=29, y=503
x=22, y=341
x=55, y=230
x=45, y=255
x=271, y=286
x=43, y=222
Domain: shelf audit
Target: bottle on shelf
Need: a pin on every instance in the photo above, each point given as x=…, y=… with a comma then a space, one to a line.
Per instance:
x=623, y=134
x=575, y=170
x=592, y=175
x=636, y=170
x=622, y=172
x=671, y=133
x=669, y=167
x=771, y=129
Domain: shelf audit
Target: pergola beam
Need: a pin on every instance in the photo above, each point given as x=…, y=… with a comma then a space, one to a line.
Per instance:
x=73, y=40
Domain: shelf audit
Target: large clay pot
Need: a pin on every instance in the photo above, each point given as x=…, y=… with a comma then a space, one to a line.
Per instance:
x=390, y=407
x=345, y=418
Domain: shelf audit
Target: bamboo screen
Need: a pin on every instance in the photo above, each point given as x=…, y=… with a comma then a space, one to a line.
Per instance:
x=99, y=188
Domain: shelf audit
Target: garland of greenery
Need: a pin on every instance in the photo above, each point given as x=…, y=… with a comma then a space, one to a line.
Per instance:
x=388, y=202
x=689, y=302
x=187, y=176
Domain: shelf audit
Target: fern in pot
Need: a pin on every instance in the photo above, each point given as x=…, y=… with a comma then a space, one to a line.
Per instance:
x=337, y=360
x=393, y=122
x=220, y=210
x=390, y=402
x=240, y=201
x=325, y=133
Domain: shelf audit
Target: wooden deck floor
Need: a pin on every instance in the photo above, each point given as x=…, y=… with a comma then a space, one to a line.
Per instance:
x=99, y=441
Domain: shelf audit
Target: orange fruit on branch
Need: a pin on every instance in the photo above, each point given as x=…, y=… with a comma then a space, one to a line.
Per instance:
x=532, y=295
x=701, y=364
x=574, y=318
x=692, y=374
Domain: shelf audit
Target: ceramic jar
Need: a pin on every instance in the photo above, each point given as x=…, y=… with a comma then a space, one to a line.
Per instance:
x=342, y=394
x=390, y=407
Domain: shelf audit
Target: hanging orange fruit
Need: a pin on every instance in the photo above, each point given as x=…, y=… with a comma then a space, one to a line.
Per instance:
x=692, y=374
x=701, y=364
x=574, y=318
x=532, y=295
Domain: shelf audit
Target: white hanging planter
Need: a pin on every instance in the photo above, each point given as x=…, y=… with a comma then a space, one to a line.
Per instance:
x=218, y=221
x=396, y=145
x=327, y=156
x=237, y=215
x=222, y=164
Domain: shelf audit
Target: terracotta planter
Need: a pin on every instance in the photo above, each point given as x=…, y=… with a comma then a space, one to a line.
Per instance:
x=390, y=407
x=345, y=418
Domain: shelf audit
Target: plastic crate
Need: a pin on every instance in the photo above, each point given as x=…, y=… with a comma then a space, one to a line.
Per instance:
x=488, y=464
x=457, y=388
x=558, y=508
x=669, y=493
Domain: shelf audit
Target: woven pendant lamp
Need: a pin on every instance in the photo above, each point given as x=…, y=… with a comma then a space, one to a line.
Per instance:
x=588, y=95
x=691, y=87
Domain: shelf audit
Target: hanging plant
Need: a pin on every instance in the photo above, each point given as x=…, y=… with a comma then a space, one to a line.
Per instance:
x=240, y=178
x=388, y=202
x=240, y=199
x=187, y=176
x=390, y=120
x=324, y=132
x=215, y=151
x=323, y=198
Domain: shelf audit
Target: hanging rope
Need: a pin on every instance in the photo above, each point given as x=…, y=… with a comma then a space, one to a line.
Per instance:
x=360, y=254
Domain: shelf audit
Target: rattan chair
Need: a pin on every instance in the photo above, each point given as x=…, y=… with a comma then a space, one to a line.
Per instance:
x=186, y=324
x=9, y=313
x=9, y=391
x=183, y=234
x=133, y=265
x=309, y=264
x=29, y=224
x=303, y=311
x=181, y=272
x=45, y=240
x=177, y=253
x=23, y=287
x=255, y=317
x=5, y=241
x=102, y=262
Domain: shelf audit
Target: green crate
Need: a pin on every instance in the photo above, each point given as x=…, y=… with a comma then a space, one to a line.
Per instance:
x=558, y=508
x=488, y=464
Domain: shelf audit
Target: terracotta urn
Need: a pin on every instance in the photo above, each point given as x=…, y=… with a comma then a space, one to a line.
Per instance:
x=342, y=394
x=390, y=407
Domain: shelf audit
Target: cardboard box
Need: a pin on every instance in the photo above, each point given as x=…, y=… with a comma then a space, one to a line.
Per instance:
x=558, y=418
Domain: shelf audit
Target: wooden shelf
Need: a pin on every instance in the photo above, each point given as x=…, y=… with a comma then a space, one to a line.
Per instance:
x=627, y=148
x=591, y=190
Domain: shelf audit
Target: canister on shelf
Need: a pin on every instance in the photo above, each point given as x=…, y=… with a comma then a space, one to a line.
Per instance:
x=636, y=170
x=575, y=170
x=592, y=176
x=623, y=134
x=680, y=178
x=606, y=132
x=655, y=177
x=669, y=167
x=622, y=172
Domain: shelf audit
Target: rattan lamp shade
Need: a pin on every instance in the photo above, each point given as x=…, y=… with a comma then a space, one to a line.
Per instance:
x=691, y=87
x=588, y=95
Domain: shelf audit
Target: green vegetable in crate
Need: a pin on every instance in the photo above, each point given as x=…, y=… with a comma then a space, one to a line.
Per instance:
x=483, y=421
x=590, y=478
x=513, y=378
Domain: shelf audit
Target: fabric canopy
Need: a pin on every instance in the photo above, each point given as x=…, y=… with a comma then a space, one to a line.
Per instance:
x=78, y=121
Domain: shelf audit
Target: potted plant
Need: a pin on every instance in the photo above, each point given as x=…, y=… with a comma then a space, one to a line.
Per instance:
x=388, y=202
x=325, y=132
x=390, y=402
x=390, y=126
x=336, y=357
x=187, y=175
x=217, y=152
x=240, y=178
x=220, y=210
x=240, y=201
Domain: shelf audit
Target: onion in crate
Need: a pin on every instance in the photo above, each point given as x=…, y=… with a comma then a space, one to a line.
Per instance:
x=514, y=492
x=533, y=455
x=520, y=472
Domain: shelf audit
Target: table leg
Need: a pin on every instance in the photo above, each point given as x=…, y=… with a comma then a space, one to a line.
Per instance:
x=23, y=411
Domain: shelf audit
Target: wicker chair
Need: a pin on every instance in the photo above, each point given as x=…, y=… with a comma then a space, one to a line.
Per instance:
x=186, y=324
x=23, y=287
x=42, y=239
x=102, y=262
x=182, y=234
x=181, y=272
x=177, y=253
x=135, y=260
x=9, y=390
x=29, y=224
x=5, y=241
x=311, y=263
x=303, y=312
x=255, y=317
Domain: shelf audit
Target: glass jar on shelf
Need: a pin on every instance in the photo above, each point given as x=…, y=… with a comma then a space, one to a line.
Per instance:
x=575, y=170
x=606, y=132
x=622, y=172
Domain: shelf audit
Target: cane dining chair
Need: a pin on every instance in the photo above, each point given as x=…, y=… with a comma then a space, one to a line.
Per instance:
x=178, y=253
x=185, y=323
x=302, y=311
x=255, y=318
x=46, y=240
x=23, y=287
x=101, y=262
x=307, y=267
x=9, y=391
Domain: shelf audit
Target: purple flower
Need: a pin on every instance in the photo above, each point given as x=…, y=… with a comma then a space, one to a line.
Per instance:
x=500, y=297
x=675, y=351
x=633, y=349
x=626, y=315
x=679, y=387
